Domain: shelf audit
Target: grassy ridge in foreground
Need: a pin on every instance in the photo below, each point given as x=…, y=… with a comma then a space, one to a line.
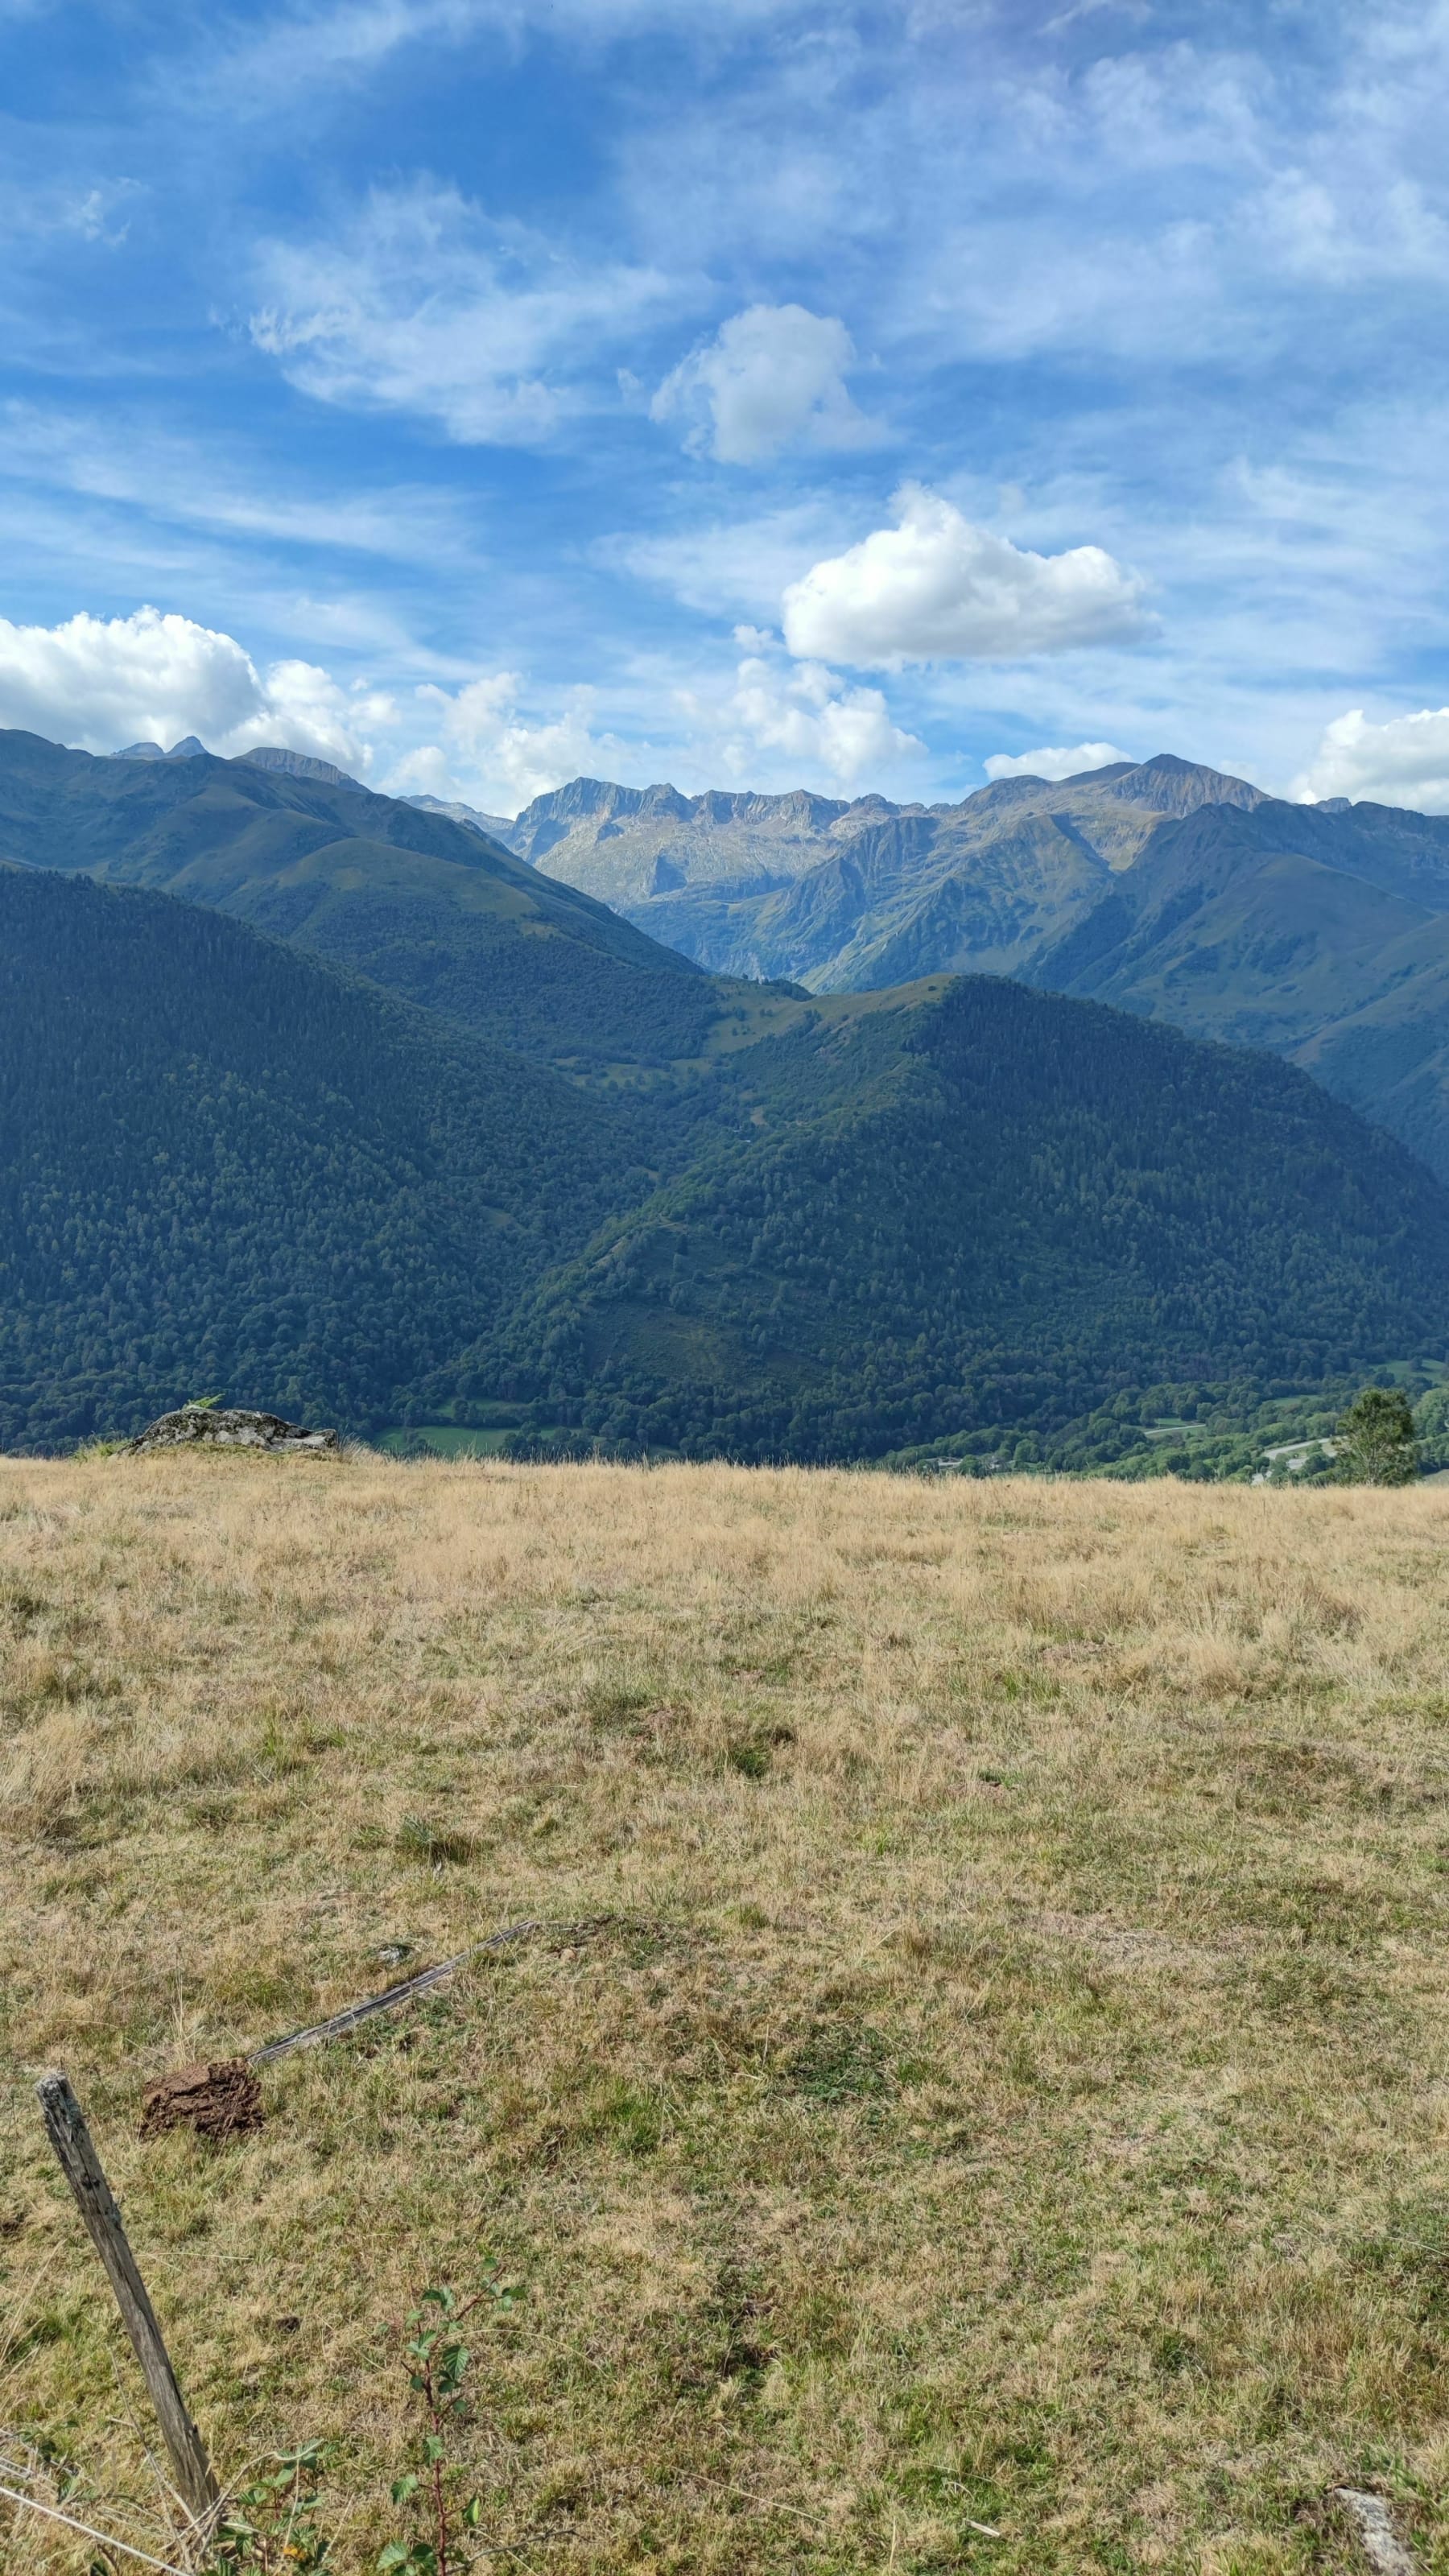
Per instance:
x=1015, y=2096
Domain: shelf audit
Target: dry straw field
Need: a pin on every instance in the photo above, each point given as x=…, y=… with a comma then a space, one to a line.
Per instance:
x=996, y=2074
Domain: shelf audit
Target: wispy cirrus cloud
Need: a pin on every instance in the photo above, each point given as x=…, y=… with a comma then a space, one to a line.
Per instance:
x=422, y=304
x=79, y=210
x=728, y=566
x=1120, y=277
x=273, y=62
x=211, y=484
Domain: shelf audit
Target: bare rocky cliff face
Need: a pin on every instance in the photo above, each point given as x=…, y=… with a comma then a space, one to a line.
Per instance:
x=847, y=895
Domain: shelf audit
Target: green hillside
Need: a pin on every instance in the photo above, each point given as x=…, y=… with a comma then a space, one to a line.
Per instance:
x=428, y=907
x=970, y=1205
x=857, y=1226
x=223, y=1167
x=1324, y=936
x=1389, y=1055
x=1166, y=888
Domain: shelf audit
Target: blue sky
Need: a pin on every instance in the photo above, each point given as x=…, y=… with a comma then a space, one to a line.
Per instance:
x=742, y=392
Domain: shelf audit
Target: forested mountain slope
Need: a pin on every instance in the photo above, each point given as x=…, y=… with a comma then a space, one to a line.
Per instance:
x=1319, y=931
x=1169, y=890
x=972, y=1204
x=225, y=1167
x=1324, y=935
x=425, y=905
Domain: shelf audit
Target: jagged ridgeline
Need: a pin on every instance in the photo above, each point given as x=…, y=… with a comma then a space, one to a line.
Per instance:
x=1321, y=932
x=1169, y=889
x=225, y=1165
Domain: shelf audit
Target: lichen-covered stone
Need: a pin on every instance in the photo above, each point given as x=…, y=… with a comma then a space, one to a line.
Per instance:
x=230, y=1427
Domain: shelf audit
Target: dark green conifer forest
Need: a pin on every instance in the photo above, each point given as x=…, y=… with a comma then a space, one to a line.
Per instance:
x=841, y=1229
x=222, y=1166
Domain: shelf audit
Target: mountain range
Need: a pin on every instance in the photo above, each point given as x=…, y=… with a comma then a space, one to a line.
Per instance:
x=858, y=1224
x=427, y=907
x=848, y=897
x=335, y=1104
x=1171, y=890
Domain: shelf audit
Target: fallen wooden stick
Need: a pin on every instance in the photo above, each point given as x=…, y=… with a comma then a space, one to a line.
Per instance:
x=1382, y=2547
x=387, y=2001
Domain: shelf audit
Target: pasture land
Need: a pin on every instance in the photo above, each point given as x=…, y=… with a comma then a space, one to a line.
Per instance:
x=990, y=2066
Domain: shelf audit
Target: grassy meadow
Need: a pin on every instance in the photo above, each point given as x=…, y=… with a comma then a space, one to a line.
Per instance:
x=989, y=2066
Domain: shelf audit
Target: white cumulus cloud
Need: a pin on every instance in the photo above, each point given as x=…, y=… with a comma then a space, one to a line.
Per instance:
x=772, y=375
x=101, y=683
x=938, y=587
x=805, y=716
x=491, y=754
x=1051, y=761
x=795, y=723
x=1402, y=762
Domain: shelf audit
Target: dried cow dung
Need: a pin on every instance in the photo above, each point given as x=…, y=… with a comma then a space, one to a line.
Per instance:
x=218, y=2100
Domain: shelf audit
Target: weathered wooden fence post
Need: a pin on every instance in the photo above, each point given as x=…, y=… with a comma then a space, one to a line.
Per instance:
x=81, y=2166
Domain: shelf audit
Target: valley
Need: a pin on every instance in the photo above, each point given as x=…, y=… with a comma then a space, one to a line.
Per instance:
x=1320, y=932
x=948, y=1216
x=444, y=1140
x=335, y=1103
x=724, y=1289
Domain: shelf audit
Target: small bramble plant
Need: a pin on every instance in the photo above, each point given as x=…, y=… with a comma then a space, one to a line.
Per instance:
x=438, y=2364
x=271, y=2525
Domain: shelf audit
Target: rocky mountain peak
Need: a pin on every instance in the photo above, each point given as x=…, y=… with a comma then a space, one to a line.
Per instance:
x=188, y=748
x=1170, y=785
x=297, y=764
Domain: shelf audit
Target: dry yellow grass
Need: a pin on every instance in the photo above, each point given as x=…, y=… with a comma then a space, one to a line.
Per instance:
x=1010, y=2087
